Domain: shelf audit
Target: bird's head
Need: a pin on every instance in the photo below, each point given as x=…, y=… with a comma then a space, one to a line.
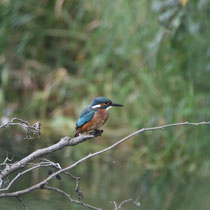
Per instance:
x=103, y=103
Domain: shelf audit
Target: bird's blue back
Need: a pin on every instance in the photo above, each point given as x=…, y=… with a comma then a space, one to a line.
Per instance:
x=86, y=115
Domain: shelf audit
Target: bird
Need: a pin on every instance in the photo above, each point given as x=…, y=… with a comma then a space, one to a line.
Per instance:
x=94, y=116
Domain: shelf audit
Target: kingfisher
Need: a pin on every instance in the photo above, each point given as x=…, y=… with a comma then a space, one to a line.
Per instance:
x=94, y=116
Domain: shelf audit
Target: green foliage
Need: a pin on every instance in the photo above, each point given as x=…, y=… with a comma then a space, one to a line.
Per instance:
x=151, y=56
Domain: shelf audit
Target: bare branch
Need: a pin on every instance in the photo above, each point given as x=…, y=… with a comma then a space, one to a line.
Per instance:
x=136, y=203
x=31, y=131
x=41, y=164
x=69, y=197
x=66, y=141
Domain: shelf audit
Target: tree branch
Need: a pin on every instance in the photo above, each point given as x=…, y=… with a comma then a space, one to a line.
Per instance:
x=66, y=141
x=31, y=131
x=46, y=163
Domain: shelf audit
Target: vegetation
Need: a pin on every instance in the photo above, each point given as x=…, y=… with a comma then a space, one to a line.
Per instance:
x=151, y=56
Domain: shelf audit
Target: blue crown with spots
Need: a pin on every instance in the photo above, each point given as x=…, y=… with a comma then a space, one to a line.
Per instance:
x=100, y=100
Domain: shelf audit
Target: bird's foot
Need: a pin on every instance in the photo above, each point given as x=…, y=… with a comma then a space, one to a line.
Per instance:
x=96, y=132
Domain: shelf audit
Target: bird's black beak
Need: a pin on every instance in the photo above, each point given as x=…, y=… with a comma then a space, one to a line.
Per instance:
x=113, y=104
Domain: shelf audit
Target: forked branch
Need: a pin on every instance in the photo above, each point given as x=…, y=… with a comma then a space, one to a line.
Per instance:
x=67, y=141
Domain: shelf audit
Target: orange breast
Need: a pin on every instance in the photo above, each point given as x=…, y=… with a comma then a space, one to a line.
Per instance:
x=98, y=120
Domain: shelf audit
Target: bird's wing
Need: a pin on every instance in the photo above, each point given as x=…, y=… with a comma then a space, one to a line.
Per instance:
x=86, y=116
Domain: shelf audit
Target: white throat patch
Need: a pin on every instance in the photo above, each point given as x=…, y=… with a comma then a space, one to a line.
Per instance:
x=108, y=107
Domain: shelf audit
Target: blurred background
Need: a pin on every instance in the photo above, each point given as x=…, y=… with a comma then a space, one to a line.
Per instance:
x=152, y=56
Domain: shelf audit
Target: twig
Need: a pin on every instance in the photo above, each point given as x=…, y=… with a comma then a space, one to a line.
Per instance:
x=57, y=166
x=22, y=202
x=7, y=159
x=136, y=203
x=77, y=189
x=50, y=163
x=75, y=141
x=69, y=197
